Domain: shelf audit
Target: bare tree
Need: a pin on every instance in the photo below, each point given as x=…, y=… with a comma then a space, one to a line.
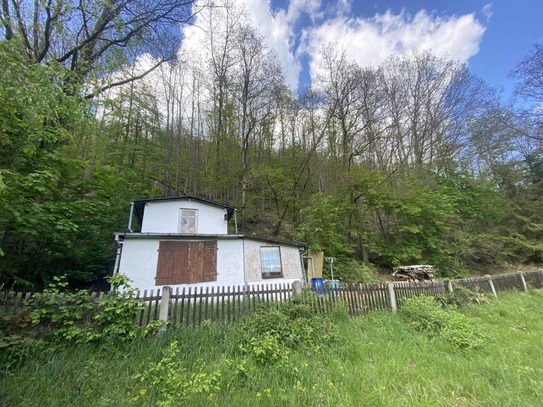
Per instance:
x=259, y=75
x=430, y=100
x=86, y=34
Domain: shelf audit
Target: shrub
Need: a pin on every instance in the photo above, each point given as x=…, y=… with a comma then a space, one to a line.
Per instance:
x=76, y=317
x=166, y=383
x=462, y=295
x=272, y=331
x=426, y=315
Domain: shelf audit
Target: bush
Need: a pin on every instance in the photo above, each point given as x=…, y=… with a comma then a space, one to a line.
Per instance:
x=462, y=295
x=426, y=315
x=272, y=331
x=80, y=319
x=166, y=383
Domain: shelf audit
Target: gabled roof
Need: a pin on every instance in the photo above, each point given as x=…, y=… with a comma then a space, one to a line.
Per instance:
x=139, y=204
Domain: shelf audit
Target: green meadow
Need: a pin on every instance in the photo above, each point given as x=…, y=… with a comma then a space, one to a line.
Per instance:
x=427, y=354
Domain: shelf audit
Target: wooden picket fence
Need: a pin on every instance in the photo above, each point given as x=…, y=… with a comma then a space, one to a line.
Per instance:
x=193, y=306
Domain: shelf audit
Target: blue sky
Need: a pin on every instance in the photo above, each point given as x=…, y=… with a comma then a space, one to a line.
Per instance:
x=490, y=36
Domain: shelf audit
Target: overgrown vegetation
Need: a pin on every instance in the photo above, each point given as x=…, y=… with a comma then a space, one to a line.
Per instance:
x=430, y=317
x=290, y=355
x=79, y=319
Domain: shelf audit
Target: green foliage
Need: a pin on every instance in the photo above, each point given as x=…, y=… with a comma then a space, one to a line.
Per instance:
x=323, y=226
x=426, y=315
x=166, y=383
x=462, y=295
x=350, y=270
x=271, y=332
x=56, y=213
x=379, y=360
x=77, y=317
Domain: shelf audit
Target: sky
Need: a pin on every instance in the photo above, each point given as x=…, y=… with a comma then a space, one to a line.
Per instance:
x=490, y=36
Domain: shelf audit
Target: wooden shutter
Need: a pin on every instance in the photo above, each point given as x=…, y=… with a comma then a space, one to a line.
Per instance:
x=186, y=262
x=204, y=255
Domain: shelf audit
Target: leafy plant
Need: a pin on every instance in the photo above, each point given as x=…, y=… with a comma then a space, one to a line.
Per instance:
x=77, y=317
x=426, y=315
x=270, y=333
x=166, y=383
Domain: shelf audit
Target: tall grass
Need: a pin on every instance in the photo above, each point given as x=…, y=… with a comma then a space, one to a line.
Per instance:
x=380, y=360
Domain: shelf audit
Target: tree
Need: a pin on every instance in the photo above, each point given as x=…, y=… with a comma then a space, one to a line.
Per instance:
x=35, y=215
x=259, y=76
x=429, y=101
x=88, y=36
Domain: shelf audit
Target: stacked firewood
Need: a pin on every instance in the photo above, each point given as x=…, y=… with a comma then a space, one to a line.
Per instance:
x=414, y=273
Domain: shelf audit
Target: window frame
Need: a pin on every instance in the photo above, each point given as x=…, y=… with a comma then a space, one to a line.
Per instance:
x=181, y=219
x=278, y=251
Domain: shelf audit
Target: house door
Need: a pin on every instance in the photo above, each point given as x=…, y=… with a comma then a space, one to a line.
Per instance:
x=186, y=262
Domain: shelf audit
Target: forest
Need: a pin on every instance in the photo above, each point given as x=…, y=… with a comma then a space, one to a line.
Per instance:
x=412, y=161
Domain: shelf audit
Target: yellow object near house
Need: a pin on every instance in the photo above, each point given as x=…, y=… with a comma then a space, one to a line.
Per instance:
x=315, y=263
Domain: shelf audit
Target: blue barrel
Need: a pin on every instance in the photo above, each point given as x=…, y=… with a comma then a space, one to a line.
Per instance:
x=318, y=285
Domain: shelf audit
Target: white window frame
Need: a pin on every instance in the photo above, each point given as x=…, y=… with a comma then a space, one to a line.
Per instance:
x=188, y=221
x=270, y=262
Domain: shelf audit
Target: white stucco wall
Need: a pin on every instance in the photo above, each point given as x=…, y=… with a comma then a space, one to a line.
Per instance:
x=163, y=217
x=139, y=262
x=238, y=262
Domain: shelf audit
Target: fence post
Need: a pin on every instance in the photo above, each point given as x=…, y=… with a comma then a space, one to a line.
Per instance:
x=297, y=286
x=164, y=308
x=491, y=283
x=448, y=286
x=523, y=281
x=392, y=297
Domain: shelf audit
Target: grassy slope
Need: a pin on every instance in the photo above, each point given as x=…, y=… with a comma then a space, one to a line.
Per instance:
x=377, y=361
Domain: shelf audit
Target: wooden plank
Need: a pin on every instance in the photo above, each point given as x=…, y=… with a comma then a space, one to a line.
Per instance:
x=187, y=306
x=195, y=305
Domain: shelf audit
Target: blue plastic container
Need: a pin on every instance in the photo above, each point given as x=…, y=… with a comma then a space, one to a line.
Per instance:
x=318, y=285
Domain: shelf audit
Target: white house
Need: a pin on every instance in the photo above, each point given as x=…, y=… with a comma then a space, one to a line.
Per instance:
x=185, y=241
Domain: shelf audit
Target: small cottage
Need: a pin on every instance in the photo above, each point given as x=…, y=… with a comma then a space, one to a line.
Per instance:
x=185, y=241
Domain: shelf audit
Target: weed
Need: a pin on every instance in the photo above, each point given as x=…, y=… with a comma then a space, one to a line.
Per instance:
x=427, y=315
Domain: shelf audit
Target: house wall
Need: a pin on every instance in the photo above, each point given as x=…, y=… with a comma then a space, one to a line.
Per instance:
x=290, y=263
x=140, y=256
x=163, y=217
x=238, y=263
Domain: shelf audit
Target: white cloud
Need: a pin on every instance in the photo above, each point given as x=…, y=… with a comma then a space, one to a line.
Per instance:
x=367, y=40
x=372, y=40
x=488, y=10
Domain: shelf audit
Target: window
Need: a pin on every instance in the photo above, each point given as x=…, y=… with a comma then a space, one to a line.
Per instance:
x=188, y=221
x=186, y=262
x=270, y=259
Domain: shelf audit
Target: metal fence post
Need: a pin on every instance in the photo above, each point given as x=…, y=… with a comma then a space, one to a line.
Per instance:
x=164, y=308
x=491, y=283
x=392, y=297
x=523, y=281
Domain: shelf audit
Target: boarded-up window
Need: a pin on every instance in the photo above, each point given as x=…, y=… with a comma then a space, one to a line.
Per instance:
x=270, y=259
x=186, y=262
x=188, y=221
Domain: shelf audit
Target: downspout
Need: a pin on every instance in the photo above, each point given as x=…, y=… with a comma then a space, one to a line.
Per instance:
x=302, y=256
x=236, y=220
x=118, y=255
x=245, y=285
x=130, y=217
